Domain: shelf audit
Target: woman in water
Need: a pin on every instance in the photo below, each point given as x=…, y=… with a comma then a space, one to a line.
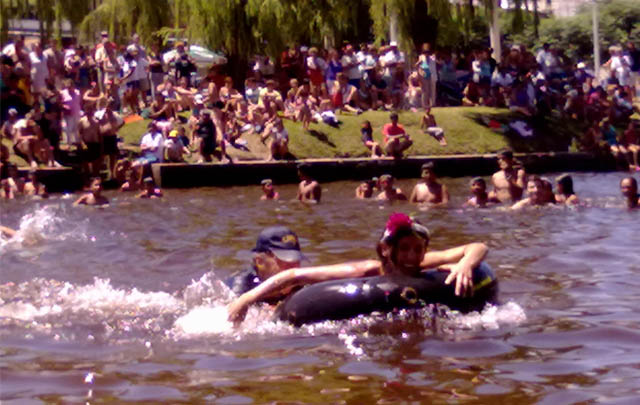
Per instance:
x=402, y=249
x=565, y=194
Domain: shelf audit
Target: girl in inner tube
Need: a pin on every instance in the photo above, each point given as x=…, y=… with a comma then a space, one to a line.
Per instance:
x=402, y=249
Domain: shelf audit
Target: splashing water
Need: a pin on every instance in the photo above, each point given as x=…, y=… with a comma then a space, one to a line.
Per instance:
x=46, y=223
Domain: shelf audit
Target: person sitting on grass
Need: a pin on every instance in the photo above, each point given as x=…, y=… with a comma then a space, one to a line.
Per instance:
x=94, y=196
x=279, y=144
x=367, y=140
x=268, y=192
x=396, y=140
x=309, y=190
x=344, y=96
x=149, y=189
x=429, y=126
x=175, y=147
x=388, y=191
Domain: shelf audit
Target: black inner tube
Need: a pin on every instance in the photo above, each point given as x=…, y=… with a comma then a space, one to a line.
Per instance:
x=347, y=298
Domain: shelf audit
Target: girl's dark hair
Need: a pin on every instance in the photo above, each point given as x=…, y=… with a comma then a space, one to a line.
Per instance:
x=567, y=184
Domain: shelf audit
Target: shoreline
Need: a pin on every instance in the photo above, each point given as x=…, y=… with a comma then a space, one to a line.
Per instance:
x=251, y=172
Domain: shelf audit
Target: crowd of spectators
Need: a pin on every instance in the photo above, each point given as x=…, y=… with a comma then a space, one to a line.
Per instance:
x=66, y=106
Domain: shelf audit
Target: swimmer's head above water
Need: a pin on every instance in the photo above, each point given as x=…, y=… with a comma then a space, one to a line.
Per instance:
x=403, y=244
x=277, y=249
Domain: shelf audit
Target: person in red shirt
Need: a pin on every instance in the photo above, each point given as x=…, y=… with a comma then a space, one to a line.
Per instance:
x=396, y=139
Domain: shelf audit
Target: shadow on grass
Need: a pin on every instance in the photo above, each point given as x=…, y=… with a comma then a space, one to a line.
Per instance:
x=550, y=133
x=322, y=137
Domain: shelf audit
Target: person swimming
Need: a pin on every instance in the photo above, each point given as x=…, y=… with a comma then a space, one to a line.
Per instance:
x=565, y=194
x=94, y=196
x=277, y=249
x=402, y=249
x=537, y=194
x=480, y=197
x=268, y=192
x=629, y=190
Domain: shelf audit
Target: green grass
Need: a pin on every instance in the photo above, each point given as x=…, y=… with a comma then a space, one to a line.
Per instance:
x=463, y=126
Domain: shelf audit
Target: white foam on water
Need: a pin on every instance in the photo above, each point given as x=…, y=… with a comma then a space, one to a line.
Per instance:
x=46, y=223
x=491, y=317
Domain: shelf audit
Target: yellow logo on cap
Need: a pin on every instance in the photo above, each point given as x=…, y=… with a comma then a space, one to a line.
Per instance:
x=289, y=239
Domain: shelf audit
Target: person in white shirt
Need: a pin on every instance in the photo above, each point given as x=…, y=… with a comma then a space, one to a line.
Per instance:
x=152, y=149
x=39, y=70
x=351, y=66
x=391, y=60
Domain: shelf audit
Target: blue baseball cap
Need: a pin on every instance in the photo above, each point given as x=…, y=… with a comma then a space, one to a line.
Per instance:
x=281, y=241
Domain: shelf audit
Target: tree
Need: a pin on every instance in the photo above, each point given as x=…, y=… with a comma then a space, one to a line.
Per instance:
x=124, y=17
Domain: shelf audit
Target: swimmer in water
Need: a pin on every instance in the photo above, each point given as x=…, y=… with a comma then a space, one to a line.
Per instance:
x=365, y=189
x=268, y=192
x=402, y=249
x=565, y=194
x=629, y=190
x=94, y=196
x=149, y=189
x=509, y=181
x=309, y=190
x=388, y=191
x=7, y=232
x=277, y=249
x=480, y=197
x=429, y=190
x=535, y=194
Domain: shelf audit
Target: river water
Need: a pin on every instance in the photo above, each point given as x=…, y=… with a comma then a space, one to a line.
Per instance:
x=124, y=304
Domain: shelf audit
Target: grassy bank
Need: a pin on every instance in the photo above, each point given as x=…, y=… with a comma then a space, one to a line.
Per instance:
x=464, y=127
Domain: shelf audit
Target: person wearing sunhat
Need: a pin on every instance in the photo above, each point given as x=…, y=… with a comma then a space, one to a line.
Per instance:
x=401, y=250
x=277, y=249
x=429, y=190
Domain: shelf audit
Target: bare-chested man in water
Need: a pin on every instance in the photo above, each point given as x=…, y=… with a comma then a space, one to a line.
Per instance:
x=509, y=181
x=429, y=190
x=94, y=196
x=309, y=190
x=389, y=192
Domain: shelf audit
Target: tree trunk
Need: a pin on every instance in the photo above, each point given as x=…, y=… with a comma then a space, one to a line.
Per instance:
x=494, y=31
x=58, y=14
x=536, y=18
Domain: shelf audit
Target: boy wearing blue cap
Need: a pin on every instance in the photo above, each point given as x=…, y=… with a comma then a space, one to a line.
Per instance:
x=277, y=249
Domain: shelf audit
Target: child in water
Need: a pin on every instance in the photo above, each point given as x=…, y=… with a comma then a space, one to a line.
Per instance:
x=402, y=249
x=268, y=192
x=149, y=189
x=94, y=196
x=565, y=194
x=480, y=197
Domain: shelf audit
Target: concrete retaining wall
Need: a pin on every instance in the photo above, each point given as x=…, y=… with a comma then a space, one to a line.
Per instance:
x=182, y=175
